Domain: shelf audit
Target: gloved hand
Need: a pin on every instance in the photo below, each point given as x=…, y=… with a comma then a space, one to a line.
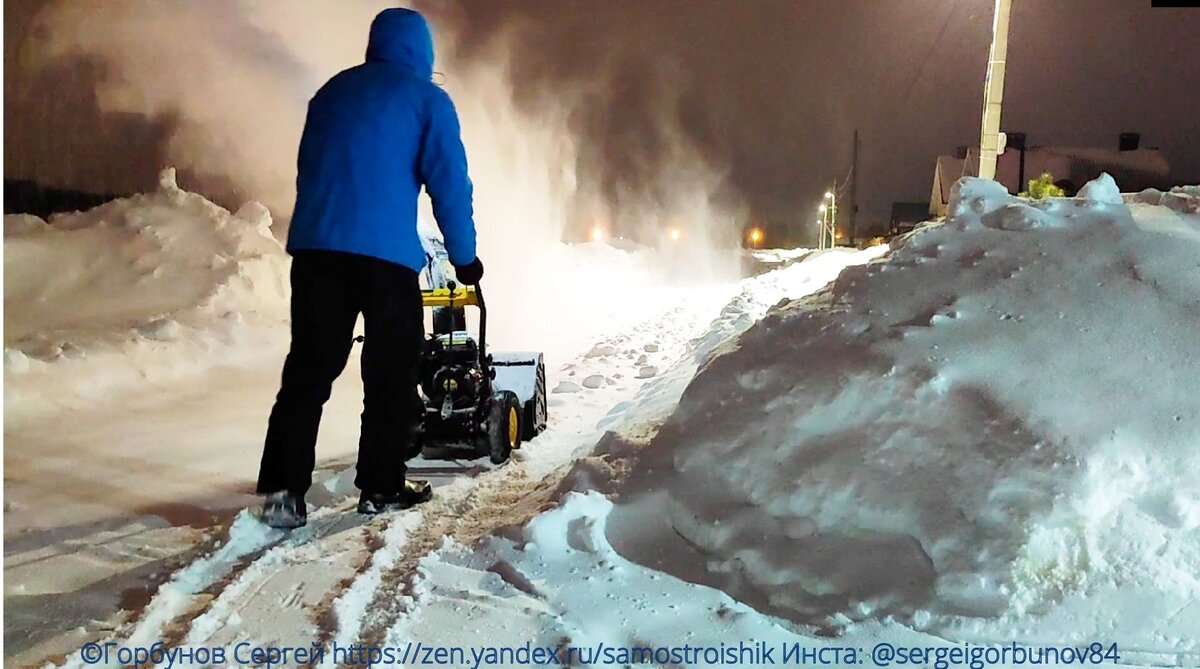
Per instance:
x=469, y=275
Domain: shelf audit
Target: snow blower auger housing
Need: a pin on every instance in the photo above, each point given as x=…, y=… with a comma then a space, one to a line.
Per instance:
x=485, y=402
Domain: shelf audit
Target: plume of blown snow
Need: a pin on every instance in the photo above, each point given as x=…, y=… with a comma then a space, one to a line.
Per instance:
x=237, y=75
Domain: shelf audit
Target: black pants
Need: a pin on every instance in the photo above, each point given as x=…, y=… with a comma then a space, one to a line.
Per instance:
x=329, y=291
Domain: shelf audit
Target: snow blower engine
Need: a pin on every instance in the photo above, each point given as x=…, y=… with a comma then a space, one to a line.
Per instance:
x=476, y=400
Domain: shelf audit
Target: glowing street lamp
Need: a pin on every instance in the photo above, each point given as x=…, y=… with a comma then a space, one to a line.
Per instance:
x=828, y=222
x=675, y=234
x=756, y=236
x=597, y=234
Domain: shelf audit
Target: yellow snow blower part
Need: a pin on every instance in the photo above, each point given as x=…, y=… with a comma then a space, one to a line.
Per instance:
x=463, y=296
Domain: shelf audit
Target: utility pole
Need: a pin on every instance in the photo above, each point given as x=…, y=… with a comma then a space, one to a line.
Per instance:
x=854, y=192
x=833, y=220
x=993, y=92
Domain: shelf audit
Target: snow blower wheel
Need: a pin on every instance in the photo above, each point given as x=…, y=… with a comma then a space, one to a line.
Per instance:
x=504, y=427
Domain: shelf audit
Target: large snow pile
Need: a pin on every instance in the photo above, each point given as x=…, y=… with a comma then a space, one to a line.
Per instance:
x=992, y=433
x=166, y=254
x=117, y=286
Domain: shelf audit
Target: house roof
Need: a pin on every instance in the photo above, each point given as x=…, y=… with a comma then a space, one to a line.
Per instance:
x=948, y=171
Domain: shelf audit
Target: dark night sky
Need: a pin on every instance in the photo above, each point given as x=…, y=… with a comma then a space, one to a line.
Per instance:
x=773, y=89
x=769, y=90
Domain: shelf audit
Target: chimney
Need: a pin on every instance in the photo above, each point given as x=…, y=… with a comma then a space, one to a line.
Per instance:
x=1130, y=141
x=961, y=152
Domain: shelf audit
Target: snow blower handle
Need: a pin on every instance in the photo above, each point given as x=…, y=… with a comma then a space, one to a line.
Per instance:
x=482, y=321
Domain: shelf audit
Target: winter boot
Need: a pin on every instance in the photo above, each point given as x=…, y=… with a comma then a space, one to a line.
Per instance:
x=414, y=492
x=285, y=511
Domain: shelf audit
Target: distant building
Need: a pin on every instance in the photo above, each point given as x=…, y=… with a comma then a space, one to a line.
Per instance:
x=906, y=216
x=22, y=196
x=948, y=170
x=1133, y=167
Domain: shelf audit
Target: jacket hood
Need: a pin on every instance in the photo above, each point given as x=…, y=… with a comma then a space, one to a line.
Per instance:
x=402, y=36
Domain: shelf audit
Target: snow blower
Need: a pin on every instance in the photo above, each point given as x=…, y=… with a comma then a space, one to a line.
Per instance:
x=475, y=400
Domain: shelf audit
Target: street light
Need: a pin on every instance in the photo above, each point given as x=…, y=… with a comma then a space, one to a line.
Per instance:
x=597, y=234
x=675, y=234
x=830, y=226
x=756, y=236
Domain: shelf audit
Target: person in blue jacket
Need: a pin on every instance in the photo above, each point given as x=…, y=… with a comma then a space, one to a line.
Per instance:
x=375, y=135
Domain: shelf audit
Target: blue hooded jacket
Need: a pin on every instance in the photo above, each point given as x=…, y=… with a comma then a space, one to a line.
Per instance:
x=376, y=134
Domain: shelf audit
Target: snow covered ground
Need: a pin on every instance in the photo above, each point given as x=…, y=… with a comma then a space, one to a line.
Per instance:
x=987, y=436
x=143, y=344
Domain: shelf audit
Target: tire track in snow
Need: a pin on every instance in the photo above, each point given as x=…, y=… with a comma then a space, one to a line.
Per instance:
x=246, y=541
x=250, y=583
x=202, y=596
x=509, y=499
x=348, y=607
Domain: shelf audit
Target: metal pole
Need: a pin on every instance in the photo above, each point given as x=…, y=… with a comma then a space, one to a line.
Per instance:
x=833, y=218
x=993, y=92
x=854, y=192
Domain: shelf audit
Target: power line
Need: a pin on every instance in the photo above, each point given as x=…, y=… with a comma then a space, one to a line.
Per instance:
x=929, y=54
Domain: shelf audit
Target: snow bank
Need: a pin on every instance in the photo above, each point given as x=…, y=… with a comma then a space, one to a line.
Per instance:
x=778, y=256
x=101, y=296
x=992, y=433
x=1182, y=199
x=167, y=254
